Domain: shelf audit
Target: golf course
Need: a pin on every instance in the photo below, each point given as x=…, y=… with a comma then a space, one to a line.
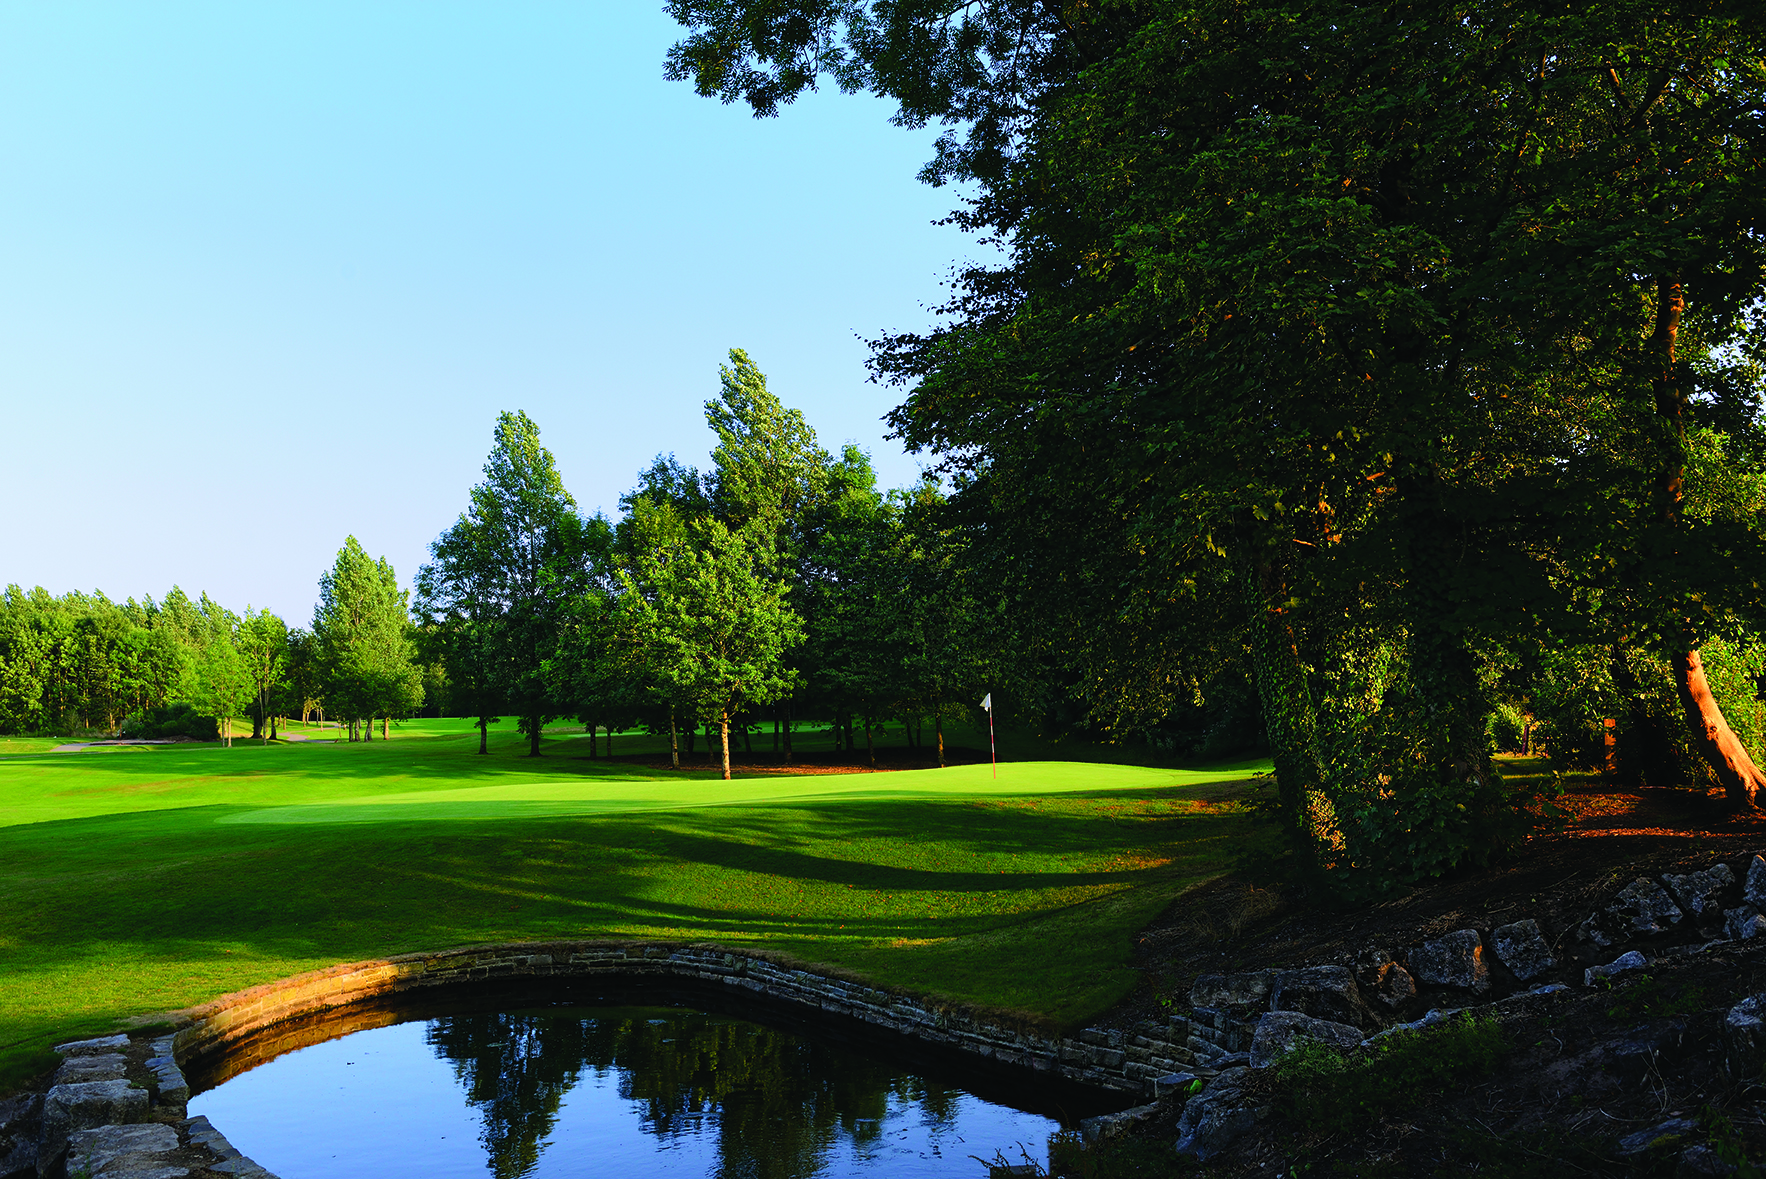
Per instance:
x=142, y=879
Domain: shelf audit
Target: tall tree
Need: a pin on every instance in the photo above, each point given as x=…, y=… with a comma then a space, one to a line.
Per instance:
x=263, y=644
x=362, y=640
x=713, y=624
x=499, y=583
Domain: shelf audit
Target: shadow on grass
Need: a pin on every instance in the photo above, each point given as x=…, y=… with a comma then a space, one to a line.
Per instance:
x=1012, y=907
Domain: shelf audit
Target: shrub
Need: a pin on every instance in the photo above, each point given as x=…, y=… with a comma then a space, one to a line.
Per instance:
x=1325, y=1086
x=173, y=720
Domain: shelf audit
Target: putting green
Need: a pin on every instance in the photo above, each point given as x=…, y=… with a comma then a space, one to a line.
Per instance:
x=614, y=794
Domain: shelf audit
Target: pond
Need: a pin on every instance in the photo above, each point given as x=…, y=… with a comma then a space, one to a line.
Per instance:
x=634, y=1092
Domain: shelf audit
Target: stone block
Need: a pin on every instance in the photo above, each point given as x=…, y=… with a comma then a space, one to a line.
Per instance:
x=1323, y=992
x=1642, y=908
x=122, y=1149
x=1218, y=1116
x=1455, y=960
x=1236, y=995
x=1744, y=1039
x=96, y=1047
x=1743, y=922
x=1522, y=948
x=1753, y=889
x=1279, y=1032
x=169, y=1084
x=1630, y=960
x=85, y=1105
x=104, y=1067
x=1700, y=893
x=1382, y=977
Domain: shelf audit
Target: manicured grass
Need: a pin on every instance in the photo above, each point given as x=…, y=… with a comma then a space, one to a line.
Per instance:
x=147, y=879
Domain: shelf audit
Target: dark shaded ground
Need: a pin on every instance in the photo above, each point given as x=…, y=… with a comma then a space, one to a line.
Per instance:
x=1574, y=1081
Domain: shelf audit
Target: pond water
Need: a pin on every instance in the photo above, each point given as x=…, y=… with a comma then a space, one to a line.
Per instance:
x=633, y=1092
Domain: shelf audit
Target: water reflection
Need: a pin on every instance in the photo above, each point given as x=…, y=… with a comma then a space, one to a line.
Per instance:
x=641, y=1091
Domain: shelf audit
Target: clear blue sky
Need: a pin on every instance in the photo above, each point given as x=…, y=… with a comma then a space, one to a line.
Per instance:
x=269, y=271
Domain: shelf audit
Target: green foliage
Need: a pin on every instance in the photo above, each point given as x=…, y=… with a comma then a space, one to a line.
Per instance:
x=501, y=584
x=1325, y=1086
x=172, y=720
x=1071, y=1157
x=362, y=641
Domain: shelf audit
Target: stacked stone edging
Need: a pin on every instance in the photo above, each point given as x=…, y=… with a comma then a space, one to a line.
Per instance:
x=1121, y=1060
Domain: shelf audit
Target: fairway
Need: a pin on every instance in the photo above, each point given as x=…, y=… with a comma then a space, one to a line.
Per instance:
x=142, y=879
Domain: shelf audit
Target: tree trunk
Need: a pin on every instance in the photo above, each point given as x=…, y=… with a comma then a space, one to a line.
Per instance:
x=273, y=719
x=775, y=732
x=385, y=728
x=724, y=726
x=484, y=735
x=592, y=735
x=938, y=726
x=533, y=736
x=1711, y=735
x=368, y=728
x=1742, y=780
x=1285, y=697
x=787, y=732
x=674, y=738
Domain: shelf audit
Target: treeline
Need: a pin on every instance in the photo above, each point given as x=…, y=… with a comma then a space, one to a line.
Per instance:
x=182, y=668
x=779, y=585
x=83, y=663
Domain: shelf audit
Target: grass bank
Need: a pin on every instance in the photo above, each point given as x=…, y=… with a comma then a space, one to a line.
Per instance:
x=147, y=878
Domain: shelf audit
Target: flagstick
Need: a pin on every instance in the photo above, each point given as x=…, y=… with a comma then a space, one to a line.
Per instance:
x=992, y=749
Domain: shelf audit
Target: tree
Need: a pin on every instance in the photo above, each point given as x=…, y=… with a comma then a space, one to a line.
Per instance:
x=362, y=640
x=1383, y=318
x=263, y=644
x=499, y=582
x=713, y=626
x=218, y=682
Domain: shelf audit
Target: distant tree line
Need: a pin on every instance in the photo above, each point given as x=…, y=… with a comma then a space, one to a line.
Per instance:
x=83, y=664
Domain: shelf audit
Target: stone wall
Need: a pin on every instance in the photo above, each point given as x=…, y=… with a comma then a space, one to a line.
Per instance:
x=1126, y=1061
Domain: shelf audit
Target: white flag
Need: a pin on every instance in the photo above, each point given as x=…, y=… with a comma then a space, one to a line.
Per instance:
x=987, y=703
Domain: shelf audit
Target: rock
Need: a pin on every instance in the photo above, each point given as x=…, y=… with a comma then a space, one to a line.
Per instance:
x=1111, y=1124
x=1698, y=892
x=1700, y=1162
x=1522, y=948
x=1279, y=1032
x=1219, y=1115
x=1323, y=992
x=1744, y=1038
x=1633, y=1057
x=123, y=1149
x=1644, y=908
x=1456, y=960
x=1237, y=995
x=1175, y=1084
x=1743, y=922
x=93, y=1047
x=75, y=1069
x=1753, y=890
x=1672, y=1130
x=83, y=1106
x=170, y=1087
x=20, y=1122
x=1630, y=960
